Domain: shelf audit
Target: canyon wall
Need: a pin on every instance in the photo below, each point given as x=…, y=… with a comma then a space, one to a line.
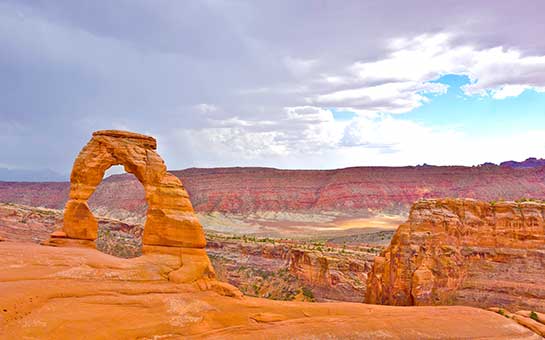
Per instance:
x=287, y=270
x=462, y=251
x=359, y=191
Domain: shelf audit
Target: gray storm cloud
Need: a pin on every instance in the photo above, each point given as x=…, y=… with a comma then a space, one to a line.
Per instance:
x=223, y=82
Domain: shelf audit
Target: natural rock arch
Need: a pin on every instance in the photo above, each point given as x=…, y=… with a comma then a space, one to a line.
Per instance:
x=170, y=219
x=171, y=230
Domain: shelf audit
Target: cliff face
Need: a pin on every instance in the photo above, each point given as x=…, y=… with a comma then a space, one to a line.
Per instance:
x=461, y=251
x=290, y=270
x=361, y=190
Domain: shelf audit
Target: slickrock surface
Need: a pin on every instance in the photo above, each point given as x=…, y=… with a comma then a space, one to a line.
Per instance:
x=529, y=319
x=455, y=251
x=80, y=293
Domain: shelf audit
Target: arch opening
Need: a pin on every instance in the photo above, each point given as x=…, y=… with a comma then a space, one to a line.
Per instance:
x=120, y=206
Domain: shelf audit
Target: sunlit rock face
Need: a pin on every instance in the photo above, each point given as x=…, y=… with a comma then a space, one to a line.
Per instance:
x=461, y=251
x=171, y=226
x=170, y=219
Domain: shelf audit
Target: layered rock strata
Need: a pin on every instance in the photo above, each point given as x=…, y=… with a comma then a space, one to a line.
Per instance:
x=287, y=270
x=358, y=191
x=462, y=251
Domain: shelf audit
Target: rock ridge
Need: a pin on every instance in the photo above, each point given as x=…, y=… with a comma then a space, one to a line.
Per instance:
x=463, y=251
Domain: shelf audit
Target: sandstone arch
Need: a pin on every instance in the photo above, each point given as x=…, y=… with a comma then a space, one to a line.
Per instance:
x=170, y=219
x=171, y=230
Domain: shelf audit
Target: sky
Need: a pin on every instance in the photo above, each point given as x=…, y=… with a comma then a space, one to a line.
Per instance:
x=286, y=84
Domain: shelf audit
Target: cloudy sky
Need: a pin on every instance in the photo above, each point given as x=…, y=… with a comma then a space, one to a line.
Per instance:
x=289, y=84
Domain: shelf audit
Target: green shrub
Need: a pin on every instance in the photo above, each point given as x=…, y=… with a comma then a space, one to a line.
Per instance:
x=308, y=293
x=533, y=316
x=502, y=312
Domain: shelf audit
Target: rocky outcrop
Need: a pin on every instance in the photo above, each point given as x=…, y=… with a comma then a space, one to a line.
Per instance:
x=27, y=224
x=531, y=162
x=171, y=225
x=462, y=251
x=71, y=293
x=19, y=223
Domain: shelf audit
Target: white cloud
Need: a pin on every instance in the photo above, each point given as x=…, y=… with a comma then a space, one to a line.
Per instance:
x=380, y=140
x=235, y=90
x=504, y=73
x=508, y=91
x=399, y=82
x=308, y=113
x=395, y=97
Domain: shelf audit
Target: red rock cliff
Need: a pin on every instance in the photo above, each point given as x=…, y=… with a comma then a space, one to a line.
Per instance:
x=461, y=251
x=360, y=190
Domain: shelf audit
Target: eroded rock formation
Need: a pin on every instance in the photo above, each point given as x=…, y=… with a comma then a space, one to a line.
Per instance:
x=171, y=225
x=75, y=293
x=287, y=270
x=461, y=251
x=356, y=192
x=262, y=267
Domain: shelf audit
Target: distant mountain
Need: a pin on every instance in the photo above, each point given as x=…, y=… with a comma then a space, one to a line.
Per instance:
x=531, y=162
x=358, y=191
x=26, y=175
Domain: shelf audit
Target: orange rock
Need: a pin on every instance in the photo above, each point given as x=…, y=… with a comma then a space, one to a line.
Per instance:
x=462, y=251
x=535, y=326
x=268, y=317
x=170, y=221
x=539, y=317
x=58, y=234
x=74, y=293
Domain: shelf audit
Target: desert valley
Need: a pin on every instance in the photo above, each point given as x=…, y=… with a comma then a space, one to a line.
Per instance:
x=317, y=241
x=242, y=169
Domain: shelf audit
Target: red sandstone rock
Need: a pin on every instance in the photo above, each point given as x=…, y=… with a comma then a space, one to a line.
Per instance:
x=71, y=293
x=259, y=267
x=280, y=270
x=170, y=221
x=524, y=318
x=539, y=316
x=351, y=191
x=455, y=251
x=535, y=326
